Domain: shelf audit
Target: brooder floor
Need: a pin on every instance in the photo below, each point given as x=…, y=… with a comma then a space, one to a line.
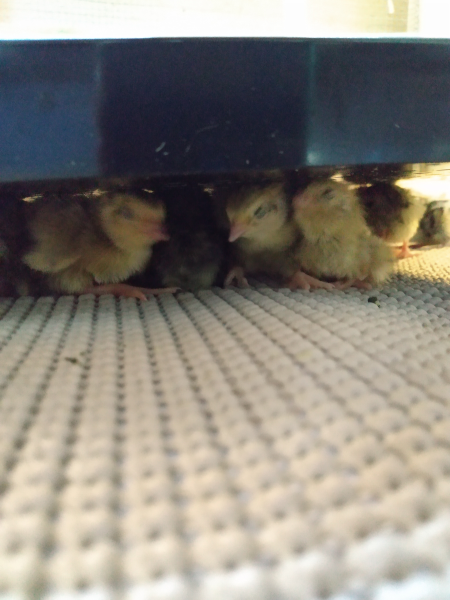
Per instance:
x=234, y=445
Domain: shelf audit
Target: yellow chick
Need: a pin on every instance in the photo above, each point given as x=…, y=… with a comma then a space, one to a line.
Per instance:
x=91, y=244
x=263, y=237
x=337, y=243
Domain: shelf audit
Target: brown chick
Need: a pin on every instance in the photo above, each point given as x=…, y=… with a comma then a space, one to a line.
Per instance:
x=91, y=244
x=195, y=257
x=392, y=213
x=337, y=244
x=263, y=237
x=434, y=227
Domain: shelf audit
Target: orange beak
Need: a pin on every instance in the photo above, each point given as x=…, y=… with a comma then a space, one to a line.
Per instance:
x=237, y=230
x=300, y=200
x=156, y=231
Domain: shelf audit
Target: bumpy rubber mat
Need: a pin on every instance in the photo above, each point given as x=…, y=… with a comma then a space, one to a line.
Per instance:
x=235, y=445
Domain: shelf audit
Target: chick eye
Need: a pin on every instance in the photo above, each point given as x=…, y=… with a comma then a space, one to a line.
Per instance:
x=261, y=212
x=125, y=212
x=328, y=194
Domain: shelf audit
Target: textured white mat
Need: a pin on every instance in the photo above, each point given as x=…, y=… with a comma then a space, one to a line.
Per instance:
x=238, y=445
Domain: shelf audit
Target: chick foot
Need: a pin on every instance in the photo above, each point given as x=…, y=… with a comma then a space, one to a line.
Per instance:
x=158, y=291
x=404, y=251
x=236, y=274
x=302, y=281
x=356, y=283
x=125, y=290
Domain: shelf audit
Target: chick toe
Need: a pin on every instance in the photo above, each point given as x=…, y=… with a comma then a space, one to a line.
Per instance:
x=116, y=289
x=356, y=283
x=236, y=274
x=404, y=251
x=302, y=281
x=157, y=291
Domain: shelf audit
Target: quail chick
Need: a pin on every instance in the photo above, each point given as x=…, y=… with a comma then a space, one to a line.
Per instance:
x=434, y=226
x=92, y=244
x=337, y=244
x=16, y=279
x=264, y=237
x=194, y=256
x=392, y=213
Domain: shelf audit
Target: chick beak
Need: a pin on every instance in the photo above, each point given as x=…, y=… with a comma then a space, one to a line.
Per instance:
x=300, y=200
x=236, y=231
x=156, y=231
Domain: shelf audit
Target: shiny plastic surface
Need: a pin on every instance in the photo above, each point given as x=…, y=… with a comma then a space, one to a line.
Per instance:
x=74, y=109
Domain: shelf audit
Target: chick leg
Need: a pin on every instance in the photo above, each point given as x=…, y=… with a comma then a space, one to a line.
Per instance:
x=356, y=283
x=158, y=291
x=404, y=251
x=236, y=274
x=302, y=281
x=127, y=291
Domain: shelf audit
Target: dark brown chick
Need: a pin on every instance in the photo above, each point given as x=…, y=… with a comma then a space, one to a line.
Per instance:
x=16, y=279
x=194, y=256
x=392, y=213
x=434, y=227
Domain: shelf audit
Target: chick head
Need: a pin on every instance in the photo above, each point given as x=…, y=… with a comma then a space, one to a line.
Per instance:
x=330, y=200
x=132, y=218
x=254, y=212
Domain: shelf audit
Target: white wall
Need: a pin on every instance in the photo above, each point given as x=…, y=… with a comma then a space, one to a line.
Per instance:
x=161, y=18
x=435, y=18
